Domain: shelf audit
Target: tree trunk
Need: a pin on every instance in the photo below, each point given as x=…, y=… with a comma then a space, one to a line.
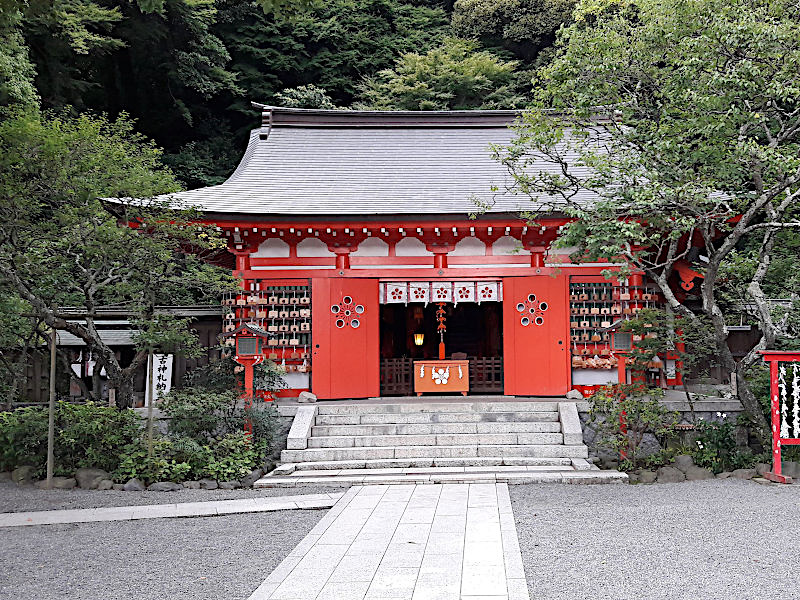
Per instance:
x=125, y=391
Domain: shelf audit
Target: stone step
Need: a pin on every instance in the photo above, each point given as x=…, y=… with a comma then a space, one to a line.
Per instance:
x=509, y=477
x=430, y=470
x=378, y=452
x=444, y=439
x=364, y=408
x=450, y=417
x=390, y=463
x=437, y=428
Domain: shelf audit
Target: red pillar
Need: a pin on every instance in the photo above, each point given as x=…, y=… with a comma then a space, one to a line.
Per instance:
x=242, y=265
x=342, y=258
x=622, y=375
x=537, y=257
x=440, y=259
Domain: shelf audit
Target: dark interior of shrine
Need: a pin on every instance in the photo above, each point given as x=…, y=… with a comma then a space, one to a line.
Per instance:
x=474, y=330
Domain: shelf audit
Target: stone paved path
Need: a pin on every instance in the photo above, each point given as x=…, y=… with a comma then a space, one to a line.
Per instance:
x=410, y=542
x=159, y=511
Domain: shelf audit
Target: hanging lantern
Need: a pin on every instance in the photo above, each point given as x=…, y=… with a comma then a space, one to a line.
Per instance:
x=419, y=339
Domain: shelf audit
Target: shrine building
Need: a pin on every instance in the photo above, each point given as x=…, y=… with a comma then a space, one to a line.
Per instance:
x=382, y=254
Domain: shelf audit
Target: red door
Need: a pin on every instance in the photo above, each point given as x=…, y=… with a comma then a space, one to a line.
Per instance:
x=536, y=335
x=345, y=332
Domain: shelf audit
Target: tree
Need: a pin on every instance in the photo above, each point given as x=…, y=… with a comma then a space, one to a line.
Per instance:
x=694, y=155
x=453, y=76
x=305, y=96
x=63, y=244
x=16, y=69
x=524, y=27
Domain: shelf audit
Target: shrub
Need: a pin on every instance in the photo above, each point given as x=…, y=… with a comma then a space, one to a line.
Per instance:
x=204, y=416
x=161, y=466
x=715, y=447
x=640, y=411
x=234, y=457
x=206, y=432
x=224, y=375
x=87, y=435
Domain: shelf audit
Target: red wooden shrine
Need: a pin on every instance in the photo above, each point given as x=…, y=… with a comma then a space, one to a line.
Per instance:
x=349, y=228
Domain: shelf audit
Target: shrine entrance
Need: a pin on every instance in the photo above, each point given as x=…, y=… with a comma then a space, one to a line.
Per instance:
x=409, y=332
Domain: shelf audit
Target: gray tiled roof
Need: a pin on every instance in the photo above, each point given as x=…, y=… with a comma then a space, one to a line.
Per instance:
x=351, y=163
x=111, y=337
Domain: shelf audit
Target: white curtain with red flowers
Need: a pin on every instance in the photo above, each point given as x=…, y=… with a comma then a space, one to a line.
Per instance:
x=451, y=292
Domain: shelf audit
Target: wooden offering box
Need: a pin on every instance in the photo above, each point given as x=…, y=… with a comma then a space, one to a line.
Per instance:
x=441, y=376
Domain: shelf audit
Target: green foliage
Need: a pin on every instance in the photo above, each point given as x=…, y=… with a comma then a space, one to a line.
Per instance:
x=227, y=457
x=62, y=244
x=268, y=377
x=698, y=139
x=17, y=88
x=160, y=466
x=224, y=375
x=641, y=412
x=715, y=447
x=196, y=413
x=216, y=376
x=235, y=455
x=524, y=27
x=87, y=435
x=453, y=76
x=660, y=334
x=304, y=96
x=656, y=460
x=206, y=417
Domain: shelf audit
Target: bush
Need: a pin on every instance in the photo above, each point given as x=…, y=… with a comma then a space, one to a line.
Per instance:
x=641, y=412
x=205, y=416
x=224, y=375
x=161, y=466
x=206, y=433
x=86, y=435
x=715, y=447
x=235, y=456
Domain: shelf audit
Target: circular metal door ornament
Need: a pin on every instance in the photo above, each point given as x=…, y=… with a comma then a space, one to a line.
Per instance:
x=345, y=313
x=531, y=310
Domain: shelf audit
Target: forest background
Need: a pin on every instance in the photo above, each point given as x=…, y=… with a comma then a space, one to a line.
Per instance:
x=187, y=70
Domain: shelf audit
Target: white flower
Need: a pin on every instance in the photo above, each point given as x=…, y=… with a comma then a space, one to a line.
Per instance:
x=719, y=414
x=724, y=416
x=700, y=444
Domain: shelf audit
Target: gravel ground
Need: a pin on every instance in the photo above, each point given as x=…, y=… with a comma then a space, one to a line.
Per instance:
x=162, y=559
x=704, y=540
x=14, y=498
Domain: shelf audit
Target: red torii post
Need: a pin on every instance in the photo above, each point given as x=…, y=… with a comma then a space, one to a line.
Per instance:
x=782, y=390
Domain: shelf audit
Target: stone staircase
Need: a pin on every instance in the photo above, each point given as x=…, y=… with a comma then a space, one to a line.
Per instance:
x=433, y=440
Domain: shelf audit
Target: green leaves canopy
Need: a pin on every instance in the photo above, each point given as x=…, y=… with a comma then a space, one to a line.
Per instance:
x=683, y=120
x=453, y=76
x=62, y=244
